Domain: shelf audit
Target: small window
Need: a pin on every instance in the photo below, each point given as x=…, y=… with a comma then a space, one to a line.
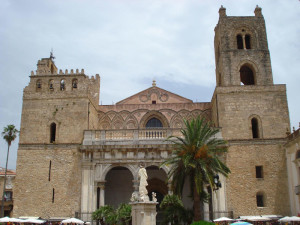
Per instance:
x=248, y=41
x=247, y=76
x=154, y=123
x=52, y=69
x=53, y=195
x=254, y=125
x=52, y=132
x=62, y=85
x=51, y=86
x=260, y=200
x=239, y=40
x=74, y=83
x=259, y=171
x=154, y=102
x=38, y=85
x=7, y=196
x=49, y=177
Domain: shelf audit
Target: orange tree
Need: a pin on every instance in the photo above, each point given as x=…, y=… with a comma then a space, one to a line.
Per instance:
x=196, y=156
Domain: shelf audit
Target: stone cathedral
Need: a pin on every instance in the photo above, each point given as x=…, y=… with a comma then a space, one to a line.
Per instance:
x=76, y=155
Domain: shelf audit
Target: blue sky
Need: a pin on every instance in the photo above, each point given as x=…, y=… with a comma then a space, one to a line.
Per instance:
x=130, y=43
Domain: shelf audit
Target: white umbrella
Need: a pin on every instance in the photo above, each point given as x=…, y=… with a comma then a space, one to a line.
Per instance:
x=222, y=219
x=285, y=219
x=10, y=220
x=73, y=220
x=36, y=221
x=259, y=218
x=295, y=218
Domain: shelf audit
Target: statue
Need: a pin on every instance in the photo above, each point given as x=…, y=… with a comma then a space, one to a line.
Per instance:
x=154, y=199
x=143, y=183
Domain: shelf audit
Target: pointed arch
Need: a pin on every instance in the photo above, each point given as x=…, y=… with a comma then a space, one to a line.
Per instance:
x=104, y=123
x=131, y=122
x=176, y=121
x=154, y=114
x=117, y=122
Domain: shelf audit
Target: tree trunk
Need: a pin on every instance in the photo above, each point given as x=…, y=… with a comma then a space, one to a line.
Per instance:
x=198, y=206
x=4, y=184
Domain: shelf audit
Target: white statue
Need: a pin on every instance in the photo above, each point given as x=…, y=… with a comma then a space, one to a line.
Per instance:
x=143, y=183
x=154, y=199
x=134, y=197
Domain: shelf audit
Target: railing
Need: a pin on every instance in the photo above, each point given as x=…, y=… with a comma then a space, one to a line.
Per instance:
x=130, y=134
x=160, y=134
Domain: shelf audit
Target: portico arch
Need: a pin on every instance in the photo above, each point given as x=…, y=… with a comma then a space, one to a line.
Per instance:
x=111, y=166
x=118, y=186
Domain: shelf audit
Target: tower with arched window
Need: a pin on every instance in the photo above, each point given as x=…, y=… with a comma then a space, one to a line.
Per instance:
x=251, y=110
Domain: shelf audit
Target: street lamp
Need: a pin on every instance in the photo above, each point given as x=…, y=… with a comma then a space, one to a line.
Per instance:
x=217, y=182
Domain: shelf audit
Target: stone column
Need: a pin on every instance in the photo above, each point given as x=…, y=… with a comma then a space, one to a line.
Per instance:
x=206, y=212
x=244, y=41
x=102, y=193
x=95, y=198
x=143, y=213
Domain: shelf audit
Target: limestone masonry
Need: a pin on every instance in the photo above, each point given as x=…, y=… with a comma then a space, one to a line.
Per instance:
x=76, y=155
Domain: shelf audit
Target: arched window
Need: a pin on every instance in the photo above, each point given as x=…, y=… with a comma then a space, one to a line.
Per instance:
x=260, y=199
x=248, y=41
x=239, y=41
x=255, y=128
x=62, y=85
x=51, y=86
x=247, y=76
x=74, y=83
x=52, y=132
x=154, y=123
x=38, y=84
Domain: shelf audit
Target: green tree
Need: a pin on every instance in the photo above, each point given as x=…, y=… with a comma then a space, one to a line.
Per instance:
x=105, y=214
x=124, y=214
x=9, y=135
x=196, y=157
x=174, y=211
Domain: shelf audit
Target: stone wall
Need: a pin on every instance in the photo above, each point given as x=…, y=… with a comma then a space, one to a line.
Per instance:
x=239, y=104
x=36, y=180
x=242, y=184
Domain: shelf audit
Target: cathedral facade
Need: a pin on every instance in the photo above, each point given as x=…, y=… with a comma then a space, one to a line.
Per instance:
x=76, y=155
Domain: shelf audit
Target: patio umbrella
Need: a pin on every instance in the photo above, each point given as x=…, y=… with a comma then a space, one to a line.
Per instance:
x=295, y=218
x=222, y=219
x=259, y=218
x=73, y=220
x=285, y=219
x=10, y=220
x=36, y=221
x=241, y=223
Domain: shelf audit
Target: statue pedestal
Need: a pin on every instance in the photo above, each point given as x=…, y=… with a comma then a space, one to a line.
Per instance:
x=143, y=213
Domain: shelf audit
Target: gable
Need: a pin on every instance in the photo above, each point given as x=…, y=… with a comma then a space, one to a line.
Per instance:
x=154, y=94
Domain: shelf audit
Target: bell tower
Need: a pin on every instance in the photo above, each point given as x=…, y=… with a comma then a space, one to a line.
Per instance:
x=241, y=50
x=252, y=113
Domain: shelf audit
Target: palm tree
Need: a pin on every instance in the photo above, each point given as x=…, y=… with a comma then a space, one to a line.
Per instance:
x=197, y=157
x=9, y=135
